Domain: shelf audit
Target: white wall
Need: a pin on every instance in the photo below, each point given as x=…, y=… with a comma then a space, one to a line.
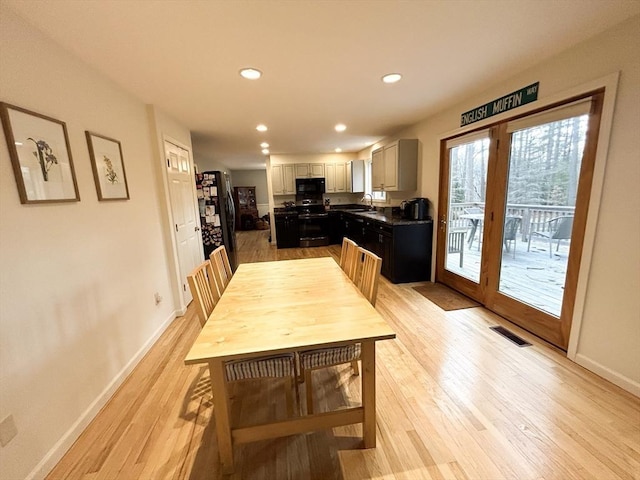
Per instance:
x=203, y=155
x=163, y=127
x=608, y=341
x=77, y=280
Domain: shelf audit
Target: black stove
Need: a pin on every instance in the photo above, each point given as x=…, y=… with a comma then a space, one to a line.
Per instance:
x=311, y=210
x=313, y=222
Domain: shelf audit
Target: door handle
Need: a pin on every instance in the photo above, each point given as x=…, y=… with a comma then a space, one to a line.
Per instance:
x=197, y=229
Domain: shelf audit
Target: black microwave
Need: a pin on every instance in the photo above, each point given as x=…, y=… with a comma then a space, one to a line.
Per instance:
x=309, y=186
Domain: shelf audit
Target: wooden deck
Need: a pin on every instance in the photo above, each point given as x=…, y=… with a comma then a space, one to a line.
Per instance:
x=531, y=277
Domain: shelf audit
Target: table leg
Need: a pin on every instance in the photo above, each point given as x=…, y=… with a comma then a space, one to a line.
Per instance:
x=368, y=357
x=222, y=414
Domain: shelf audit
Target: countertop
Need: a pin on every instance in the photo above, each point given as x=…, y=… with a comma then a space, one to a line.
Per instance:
x=393, y=219
x=284, y=211
x=386, y=219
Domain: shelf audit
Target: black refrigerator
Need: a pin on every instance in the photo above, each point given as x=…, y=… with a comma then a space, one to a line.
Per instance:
x=217, y=213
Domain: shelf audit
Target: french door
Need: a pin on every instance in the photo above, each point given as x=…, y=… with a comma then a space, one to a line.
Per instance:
x=512, y=213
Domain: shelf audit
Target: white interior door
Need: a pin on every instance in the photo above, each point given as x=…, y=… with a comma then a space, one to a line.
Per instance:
x=184, y=213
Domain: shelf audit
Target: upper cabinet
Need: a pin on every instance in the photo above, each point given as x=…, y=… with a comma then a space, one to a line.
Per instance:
x=283, y=179
x=377, y=169
x=394, y=167
x=336, y=177
x=309, y=170
x=355, y=176
x=340, y=177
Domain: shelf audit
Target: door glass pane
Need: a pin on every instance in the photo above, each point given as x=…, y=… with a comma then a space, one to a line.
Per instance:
x=467, y=193
x=544, y=169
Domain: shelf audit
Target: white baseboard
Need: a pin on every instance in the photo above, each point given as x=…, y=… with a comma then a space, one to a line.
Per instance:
x=54, y=455
x=623, y=382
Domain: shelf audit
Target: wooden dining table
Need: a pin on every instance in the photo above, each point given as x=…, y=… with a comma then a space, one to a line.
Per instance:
x=286, y=306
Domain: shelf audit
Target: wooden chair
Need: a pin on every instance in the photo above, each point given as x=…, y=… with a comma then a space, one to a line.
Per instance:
x=368, y=268
x=456, y=243
x=369, y=275
x=349, y=257
x=558, y=228
x=204, y=290
x=221, y=267
x=202, y=283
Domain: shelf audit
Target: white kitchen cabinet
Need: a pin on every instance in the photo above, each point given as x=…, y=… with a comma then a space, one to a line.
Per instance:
x=341, y=177
x=394, y=167
x=283, y=179
x=330, y=178
x=310, y=170
x=377, y=169
x=355, y=176
x=335, y=175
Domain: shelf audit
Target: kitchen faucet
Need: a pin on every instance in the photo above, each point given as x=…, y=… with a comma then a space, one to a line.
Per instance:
x=370, y=200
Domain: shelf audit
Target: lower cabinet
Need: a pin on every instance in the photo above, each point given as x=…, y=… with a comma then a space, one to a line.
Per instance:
x=405, y=249
x=353, y=228
x=287, y=230
x=379, y=240
x=336, y=227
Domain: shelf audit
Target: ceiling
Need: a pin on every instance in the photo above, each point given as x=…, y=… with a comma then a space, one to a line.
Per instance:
x=322, y=61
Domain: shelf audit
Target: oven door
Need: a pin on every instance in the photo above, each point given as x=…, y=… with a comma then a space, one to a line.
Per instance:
x=314, y=230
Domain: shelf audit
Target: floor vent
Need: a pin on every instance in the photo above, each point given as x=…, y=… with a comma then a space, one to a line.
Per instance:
x=511, y=336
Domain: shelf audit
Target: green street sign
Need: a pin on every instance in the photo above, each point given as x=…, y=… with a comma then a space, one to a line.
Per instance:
x=508, y=102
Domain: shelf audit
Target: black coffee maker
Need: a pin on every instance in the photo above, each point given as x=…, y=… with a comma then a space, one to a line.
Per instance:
x=415, y=209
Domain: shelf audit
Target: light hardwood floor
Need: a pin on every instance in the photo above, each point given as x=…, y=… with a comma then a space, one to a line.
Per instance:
x=455, y=401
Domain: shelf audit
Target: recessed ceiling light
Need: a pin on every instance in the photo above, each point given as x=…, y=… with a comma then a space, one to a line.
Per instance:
x=338, y=150
x=262, y=128
x=251, y=73
x=264, y=145
x=265, y=151
x=391, y=78
x=341, y=127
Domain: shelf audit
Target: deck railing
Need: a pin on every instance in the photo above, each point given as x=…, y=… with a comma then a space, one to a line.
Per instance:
x=534, y=217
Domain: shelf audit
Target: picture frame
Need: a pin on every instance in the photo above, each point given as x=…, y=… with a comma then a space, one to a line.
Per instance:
x=40, y=156
x=108, y=167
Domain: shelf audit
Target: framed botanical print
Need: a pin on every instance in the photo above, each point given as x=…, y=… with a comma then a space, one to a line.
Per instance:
x=108, y=167
x=40, y=156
